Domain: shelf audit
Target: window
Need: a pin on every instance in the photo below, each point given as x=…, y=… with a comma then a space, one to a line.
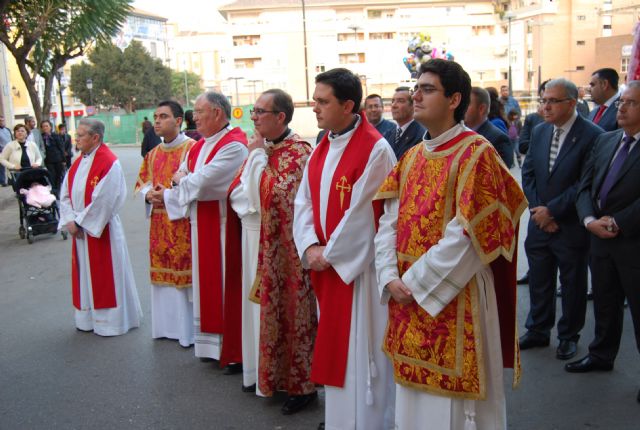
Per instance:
x=342, y=37
x=486, y=30
x=581, y=43
x=247, y=63
x=320, y=68
x=352, y=58
x=246, y=40
x=624, y=64
x=530, y=53
x=505, y=75
x=582, y=17
x=381, y=36
x=380, y=13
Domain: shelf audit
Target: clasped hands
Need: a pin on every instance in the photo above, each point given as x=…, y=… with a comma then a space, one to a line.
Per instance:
x=156, y=195
x=543, y=219
x=315, y=258
x=604, y=228
x=75, y=230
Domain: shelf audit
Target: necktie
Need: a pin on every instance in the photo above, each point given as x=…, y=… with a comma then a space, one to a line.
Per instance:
x=614, y=170
x=601, y=109
x=555, y=144
x=398, y=134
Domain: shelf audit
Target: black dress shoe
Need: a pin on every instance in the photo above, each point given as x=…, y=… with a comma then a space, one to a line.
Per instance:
x=587, y=364
x=321, y=426
x=566, y=349
x=297, y=403
x=524, y=280
x=232, y=369
x=531, y=340
x=590, y=295
x=249, y=388
x=207, y=359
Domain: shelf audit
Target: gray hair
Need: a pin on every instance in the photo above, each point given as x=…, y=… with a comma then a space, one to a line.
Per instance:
x=218, y=100
x=482, y=96
x=95, y=126
x=633, y=84
x=570, y=88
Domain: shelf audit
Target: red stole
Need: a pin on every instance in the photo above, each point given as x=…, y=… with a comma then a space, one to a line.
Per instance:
x=232, y=325
x=209, y=243
x=335, y=298
x=99, y=249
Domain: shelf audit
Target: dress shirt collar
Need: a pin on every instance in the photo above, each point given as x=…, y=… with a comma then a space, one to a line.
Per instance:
x=567, y=125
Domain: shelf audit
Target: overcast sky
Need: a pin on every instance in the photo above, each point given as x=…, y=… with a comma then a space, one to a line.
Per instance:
x=188, y=13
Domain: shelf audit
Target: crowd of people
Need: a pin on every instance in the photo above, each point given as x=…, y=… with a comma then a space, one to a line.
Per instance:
x=33, y=148
x=379, y=263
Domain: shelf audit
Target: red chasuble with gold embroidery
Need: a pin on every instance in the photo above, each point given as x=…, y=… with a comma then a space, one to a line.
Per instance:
x=209, y=243
x=334, y=296
x=99, y=249
x=465, y=179
x=169, y=241
x=288, y=315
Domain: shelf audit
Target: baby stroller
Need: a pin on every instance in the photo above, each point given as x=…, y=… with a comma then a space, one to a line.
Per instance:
x=35, y=221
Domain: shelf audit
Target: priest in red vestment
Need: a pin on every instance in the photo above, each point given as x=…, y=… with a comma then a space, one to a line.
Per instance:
x=93, y=192
x=199, y=191
x=334, y=227
x=445, y=257
x=279, y=285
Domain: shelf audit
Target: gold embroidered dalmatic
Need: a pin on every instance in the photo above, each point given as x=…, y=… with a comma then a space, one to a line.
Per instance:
x=169, y=241
x=464, y=179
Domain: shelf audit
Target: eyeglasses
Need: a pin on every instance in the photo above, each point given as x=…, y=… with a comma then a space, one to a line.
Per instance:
x=259, y=111
x=630, y=103
x=424, y=89
x=552, y=101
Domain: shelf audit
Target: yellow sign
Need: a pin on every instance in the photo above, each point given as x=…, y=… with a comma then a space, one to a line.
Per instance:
x=237, y=113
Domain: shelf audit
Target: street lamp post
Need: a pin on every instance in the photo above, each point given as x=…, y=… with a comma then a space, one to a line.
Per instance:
x=509, y=16
x=90, y=88
x=186, y=89
x=60, y=75
x=237, y=100
x=253, y=83
x=306, y=64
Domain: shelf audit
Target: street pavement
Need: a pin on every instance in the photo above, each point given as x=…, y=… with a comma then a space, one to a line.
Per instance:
x=54, y=377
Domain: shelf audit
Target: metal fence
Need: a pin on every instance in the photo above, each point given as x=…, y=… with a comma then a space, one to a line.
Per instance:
x=127, y=128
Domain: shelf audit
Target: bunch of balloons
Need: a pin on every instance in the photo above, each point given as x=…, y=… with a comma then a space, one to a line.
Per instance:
x=421, y=50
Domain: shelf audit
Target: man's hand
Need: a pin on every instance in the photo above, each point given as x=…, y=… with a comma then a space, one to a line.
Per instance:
x=315, y=258
x=551, y=227
x=604, y=228
x=74, y=230
x=400, y=292
x=256, y=141
x=541, y=216
x=177, y=176
x=156, y=196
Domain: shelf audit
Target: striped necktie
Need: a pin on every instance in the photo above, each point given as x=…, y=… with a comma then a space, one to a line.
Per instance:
x=555, y=145
x=398, y=134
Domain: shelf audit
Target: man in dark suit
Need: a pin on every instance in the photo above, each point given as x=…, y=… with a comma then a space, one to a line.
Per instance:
x=604, y=93
x=409, y=132
x=608, y=205
x=555, y=238
x=476, y=118
x=373, y=109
